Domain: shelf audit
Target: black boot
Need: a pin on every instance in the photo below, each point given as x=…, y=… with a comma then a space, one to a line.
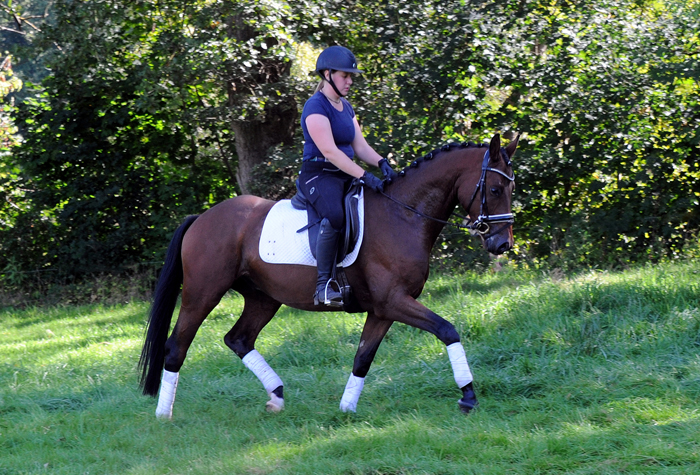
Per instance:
x=326, y=252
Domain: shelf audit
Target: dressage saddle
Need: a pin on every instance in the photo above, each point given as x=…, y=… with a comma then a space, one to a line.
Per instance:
x=351, y=230
x=349, y=239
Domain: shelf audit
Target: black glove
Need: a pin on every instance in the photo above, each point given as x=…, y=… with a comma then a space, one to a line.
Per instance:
x=389, y=173
x=372, y=182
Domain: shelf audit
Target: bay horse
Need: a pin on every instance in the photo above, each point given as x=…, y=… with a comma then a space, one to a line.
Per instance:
x=218, y=250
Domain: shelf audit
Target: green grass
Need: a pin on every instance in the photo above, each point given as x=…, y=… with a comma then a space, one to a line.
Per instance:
x=594, y=374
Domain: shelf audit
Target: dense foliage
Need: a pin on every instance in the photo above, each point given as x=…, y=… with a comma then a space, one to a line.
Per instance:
x=611, y=108
x=151, y=110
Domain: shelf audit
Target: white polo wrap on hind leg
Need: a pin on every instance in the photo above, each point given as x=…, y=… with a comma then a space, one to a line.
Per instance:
x=353, y=389
x=460, y=367
x=267, y=376
x=166, y=398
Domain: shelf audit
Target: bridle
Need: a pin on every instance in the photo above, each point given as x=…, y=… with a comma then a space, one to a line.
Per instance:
x=484, y=221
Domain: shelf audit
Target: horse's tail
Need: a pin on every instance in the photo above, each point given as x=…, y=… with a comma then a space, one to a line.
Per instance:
x=161, y=312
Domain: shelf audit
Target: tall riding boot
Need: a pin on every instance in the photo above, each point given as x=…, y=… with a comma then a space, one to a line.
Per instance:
x=326, y=252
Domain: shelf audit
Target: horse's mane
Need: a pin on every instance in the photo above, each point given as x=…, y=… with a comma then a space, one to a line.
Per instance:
x=445, y=148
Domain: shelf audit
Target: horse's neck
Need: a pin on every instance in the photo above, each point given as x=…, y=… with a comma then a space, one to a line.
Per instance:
x=431, y=189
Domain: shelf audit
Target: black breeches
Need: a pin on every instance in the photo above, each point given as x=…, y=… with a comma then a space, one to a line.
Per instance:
x=324, y=186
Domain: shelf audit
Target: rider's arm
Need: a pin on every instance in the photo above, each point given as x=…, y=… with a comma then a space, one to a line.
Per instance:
x=319, y=128
x=363, y=150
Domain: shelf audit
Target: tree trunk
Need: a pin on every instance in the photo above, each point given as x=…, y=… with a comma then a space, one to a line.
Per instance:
x=255, y=137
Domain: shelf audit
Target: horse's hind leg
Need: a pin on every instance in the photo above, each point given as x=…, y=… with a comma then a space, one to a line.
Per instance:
x=372, y=335
x=193, y=311
x=258, y=310
x=189, y=320
x=204, y=285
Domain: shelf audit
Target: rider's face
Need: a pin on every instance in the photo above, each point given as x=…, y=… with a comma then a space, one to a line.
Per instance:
x=342, y=81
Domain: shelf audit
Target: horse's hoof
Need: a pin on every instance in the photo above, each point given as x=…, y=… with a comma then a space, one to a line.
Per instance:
x=467, y=406
x=275, y=404
x=468, y=401
x=348, y=407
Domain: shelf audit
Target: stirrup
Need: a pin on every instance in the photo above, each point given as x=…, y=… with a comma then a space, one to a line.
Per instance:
x=334, y=302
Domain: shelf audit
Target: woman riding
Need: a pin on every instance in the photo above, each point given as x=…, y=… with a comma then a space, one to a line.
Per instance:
x=332, y=138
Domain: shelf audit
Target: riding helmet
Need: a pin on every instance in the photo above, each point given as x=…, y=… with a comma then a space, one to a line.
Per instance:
x=337, y=58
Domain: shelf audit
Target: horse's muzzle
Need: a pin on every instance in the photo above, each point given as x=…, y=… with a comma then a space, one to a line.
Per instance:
x=504, y=247
x=500, y=242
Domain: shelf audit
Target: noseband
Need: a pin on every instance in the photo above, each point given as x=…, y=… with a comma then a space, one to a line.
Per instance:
x=483, y=222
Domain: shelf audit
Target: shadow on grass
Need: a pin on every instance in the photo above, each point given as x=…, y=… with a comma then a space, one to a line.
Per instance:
x=438, y=441
x=442, y=286
x=83, y=315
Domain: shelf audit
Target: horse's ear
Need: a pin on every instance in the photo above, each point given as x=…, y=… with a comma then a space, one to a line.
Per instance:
x=510, y=149
x=495, y=148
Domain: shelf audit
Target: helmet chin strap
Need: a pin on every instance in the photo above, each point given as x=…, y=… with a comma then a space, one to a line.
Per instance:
x=330, y=81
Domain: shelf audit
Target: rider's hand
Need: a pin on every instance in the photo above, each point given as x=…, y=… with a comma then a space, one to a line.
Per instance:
x=372, y=182
x=387, y=171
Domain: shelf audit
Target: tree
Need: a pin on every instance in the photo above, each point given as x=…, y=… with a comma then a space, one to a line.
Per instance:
x=110, y=159
x=20, y=22
x=9, y=83
x=125, y=137
x=169, y=106
x=604, y=94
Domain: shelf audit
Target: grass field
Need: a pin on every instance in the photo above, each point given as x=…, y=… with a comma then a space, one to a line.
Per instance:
x=594, y=374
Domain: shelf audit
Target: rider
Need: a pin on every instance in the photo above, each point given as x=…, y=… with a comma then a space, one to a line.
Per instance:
x=332, y=137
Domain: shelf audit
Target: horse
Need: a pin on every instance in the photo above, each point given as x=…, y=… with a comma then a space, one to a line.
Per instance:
x=218, y=250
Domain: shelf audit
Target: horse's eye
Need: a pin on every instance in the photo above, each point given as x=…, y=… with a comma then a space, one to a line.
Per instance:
x=496, y=190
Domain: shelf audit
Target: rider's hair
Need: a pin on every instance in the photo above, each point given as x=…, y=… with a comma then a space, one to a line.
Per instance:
x=320, y=84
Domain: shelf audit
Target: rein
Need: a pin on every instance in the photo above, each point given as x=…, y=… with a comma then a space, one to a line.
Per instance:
x=483, y=222
x=423, y=215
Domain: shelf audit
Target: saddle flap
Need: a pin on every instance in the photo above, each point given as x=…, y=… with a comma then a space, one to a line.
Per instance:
x=352, y=218
x=350, y=233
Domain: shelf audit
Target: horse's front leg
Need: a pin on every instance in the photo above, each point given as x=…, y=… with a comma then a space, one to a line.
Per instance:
x=372, y=335
x=411, y=312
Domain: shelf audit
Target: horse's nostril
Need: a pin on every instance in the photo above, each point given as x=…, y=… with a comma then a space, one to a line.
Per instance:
x=503, y=248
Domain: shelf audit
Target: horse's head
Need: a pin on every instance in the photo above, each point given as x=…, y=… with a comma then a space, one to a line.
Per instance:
x=488, y=203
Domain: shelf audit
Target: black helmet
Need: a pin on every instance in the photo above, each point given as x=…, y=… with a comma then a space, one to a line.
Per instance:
x=337, y=58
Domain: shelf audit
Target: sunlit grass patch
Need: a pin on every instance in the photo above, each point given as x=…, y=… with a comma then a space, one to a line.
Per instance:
x=594, y=373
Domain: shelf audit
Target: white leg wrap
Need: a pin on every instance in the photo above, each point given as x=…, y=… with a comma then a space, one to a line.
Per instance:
x=267, y=376
x=460, y=367
x=353, y=389
x=166, y=398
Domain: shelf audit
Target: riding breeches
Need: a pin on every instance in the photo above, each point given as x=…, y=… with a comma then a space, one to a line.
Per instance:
x=324, y=185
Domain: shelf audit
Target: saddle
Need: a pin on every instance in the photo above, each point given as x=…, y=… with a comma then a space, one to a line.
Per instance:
x=350, y=233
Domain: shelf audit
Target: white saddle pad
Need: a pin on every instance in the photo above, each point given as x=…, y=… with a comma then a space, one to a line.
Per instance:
x=280, y=243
